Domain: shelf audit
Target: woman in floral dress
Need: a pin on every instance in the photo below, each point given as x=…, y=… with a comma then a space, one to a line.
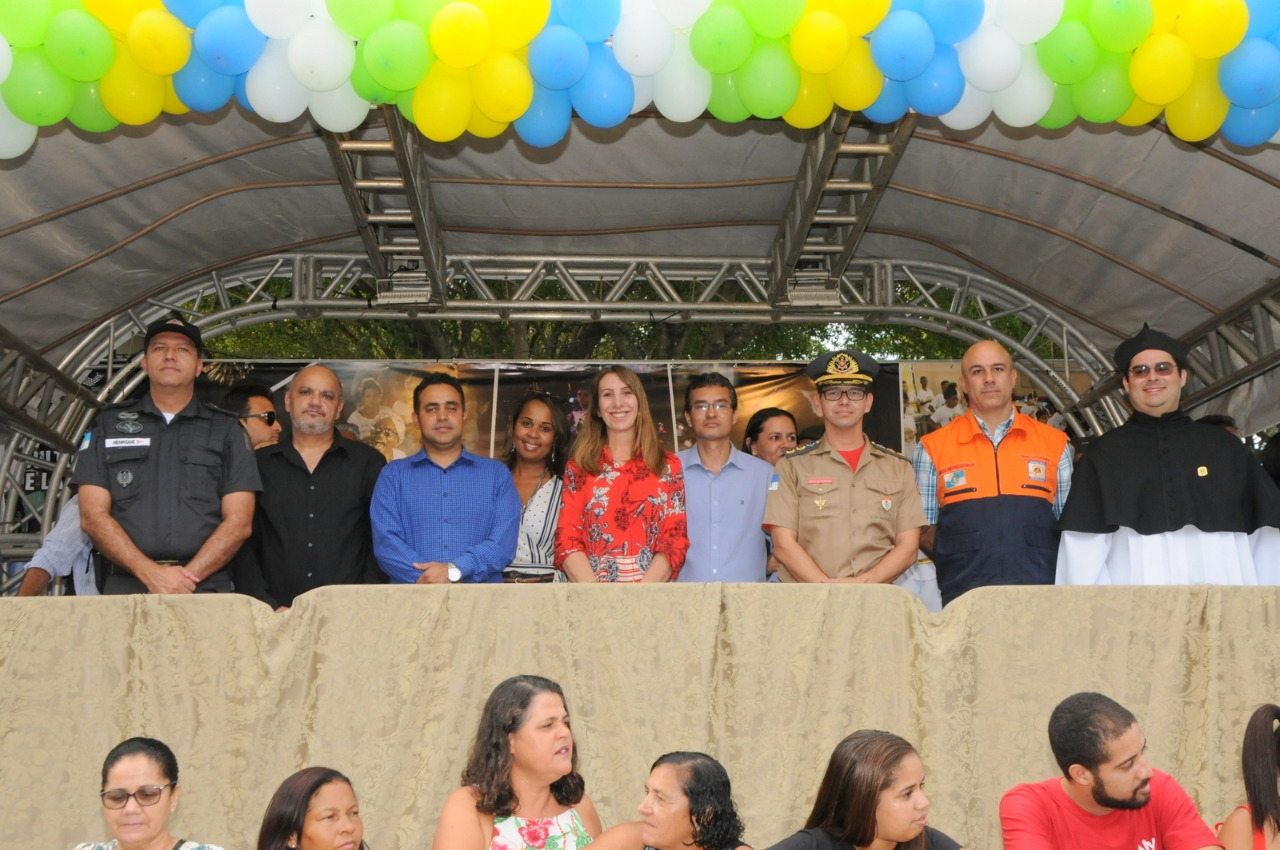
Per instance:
x=521, y=789
x=622, y=511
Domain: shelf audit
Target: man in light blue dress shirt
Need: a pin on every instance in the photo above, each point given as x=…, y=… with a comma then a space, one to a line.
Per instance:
x=725, y=489
x=444, y=515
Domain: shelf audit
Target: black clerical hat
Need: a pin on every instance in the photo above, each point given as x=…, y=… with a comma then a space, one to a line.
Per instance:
x=1150, y=339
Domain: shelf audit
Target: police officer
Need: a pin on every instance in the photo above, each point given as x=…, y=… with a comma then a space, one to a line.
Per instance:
x=166, y=482
x=844, y=508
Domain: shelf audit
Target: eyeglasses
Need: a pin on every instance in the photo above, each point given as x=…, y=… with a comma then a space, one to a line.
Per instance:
x=1164, y=367
x=269, y=417
x=147, y=795
x=386, y=432
x=704, y=406
x=854, y=393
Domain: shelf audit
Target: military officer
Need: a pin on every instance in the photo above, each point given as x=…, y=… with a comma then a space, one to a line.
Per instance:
x=166, y=483
x=844, y=508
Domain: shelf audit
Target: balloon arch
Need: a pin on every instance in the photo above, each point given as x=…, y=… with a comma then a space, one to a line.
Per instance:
x=480, y=67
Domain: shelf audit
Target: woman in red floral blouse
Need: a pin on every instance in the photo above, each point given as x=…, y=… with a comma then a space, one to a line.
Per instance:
x=622, y=509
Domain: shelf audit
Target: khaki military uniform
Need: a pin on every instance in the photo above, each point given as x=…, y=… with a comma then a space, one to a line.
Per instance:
x=846, y=519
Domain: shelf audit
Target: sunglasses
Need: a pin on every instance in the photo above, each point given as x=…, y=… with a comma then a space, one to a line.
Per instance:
x=269, y=417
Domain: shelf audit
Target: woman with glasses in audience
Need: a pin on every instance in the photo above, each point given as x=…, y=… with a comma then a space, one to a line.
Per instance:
x=770, y=432
x=315, y=809
x=521, y=788
x=622, y=517
x=871, y=798
x=139, y=795
x=539, y=449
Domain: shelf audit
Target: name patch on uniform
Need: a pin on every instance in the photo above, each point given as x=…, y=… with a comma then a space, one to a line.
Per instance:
x=953, y=479
x=821, y=480
x=1036, y=470
x=88, y=438
x=773, y=482
x=126, y=442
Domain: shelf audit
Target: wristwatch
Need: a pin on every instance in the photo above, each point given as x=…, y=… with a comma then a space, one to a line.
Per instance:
x=455, y=574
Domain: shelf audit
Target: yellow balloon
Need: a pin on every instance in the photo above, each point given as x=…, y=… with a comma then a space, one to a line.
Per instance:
x=856, y=82
x=116, y=14
x=819, y=42
x=860, y=16
x=1161, y=68
x=813, y=104
x=460, y=34
x=502, y=87
x=130, y=94
x=442, y=103
x=173, y=105
x=1213, y=28
x=1167, y=12
x=514, y=23
x=159, y=42
x=1139, y=112
x=481, y=127
x=1199, y=113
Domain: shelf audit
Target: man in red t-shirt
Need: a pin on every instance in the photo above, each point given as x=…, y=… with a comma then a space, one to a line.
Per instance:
x=1108, y=798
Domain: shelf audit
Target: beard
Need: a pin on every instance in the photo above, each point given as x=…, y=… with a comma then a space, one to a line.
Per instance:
x=313, y=429
x=1137, y=800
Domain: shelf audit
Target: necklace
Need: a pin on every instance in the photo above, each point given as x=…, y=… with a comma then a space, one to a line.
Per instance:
x=541, y=478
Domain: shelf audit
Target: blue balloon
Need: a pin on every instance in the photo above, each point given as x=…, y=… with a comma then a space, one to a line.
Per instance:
x=890, y=105
x=902, y=45
x=605, y=94
x=907, y=6
x=242, y=96
x=191, y=12
x=937, y=89
x=952, y=20
x=228, y=42
x=1264, y=18
x=558, y=57
x=547, y=119
x=200, y=87
x=1251, y=127
x=595, y=20
x=1250, y=75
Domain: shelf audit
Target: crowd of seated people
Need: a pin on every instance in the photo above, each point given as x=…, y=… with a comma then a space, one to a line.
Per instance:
x=522, y=789
x=992, y=495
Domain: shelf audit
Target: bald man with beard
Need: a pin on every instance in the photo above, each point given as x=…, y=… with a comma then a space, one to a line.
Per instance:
x=311, y=527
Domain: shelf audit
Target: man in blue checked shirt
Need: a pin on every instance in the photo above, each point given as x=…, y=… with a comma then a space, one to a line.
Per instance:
x=444, y=515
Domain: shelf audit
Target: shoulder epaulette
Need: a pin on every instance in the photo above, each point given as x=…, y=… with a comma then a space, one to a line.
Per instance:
x=801, y=450
x=889, y=451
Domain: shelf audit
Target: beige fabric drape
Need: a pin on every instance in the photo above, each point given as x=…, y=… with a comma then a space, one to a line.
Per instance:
x=386, y=684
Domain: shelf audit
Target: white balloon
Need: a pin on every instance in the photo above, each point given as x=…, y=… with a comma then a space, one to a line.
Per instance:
x=642, y=42
x=644, y=93
x=1029, y=97
x=682, y=14
x=16, y=136
x=6, y=58
x=320, y=10
x=340, y=110
x=273, y=91
x=1028, y=21
x=989, y=58
x=972, y=110
x=321, y=56
x=278, y=18
x=682, y=89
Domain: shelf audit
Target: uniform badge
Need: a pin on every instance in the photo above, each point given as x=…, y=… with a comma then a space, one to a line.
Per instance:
x=128, y=426
x=124, y=477
x=886, y=503
x=1202, y=471
x=126, y=414
x=88, y=438
x=820, y=502
x=1036, y=470
x=953, y=479
x=773, y=482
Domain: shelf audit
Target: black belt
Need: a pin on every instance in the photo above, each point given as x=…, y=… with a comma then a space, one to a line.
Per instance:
x=107, y=567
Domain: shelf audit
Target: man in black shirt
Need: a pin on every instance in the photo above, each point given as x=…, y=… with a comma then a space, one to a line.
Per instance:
x=311, y=527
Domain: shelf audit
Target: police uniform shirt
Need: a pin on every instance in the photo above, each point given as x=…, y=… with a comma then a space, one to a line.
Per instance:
x=845, y=519
x=167, y=480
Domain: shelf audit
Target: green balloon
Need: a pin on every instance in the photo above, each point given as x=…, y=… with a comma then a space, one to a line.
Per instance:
x=1068, y=53
x=1075, y=10
x=34, y=90
x=23, y=22
x=87, y=111
x=79, y=45
x=721, y=40
x=365, y=85
x=358, y=18
x=1061, y=111
x=772, y=18
x=725, y=104
x=404, y=102
x=63, y=5
x=396, y=55
x=1106, y=94
x=769, y=81
x=1120, y=25
x=421, y=12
